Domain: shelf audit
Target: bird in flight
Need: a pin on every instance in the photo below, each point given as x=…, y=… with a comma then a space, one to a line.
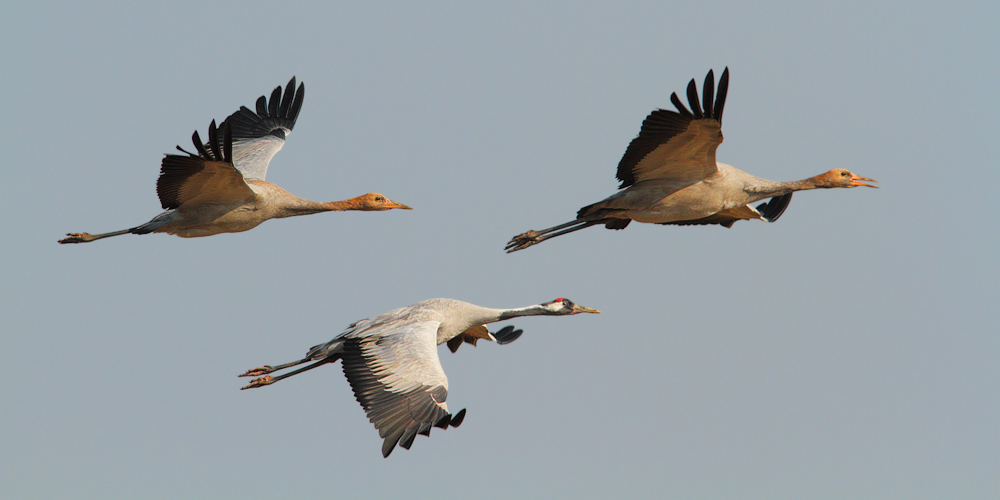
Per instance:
x=220, y=188
x=669, y=175
x=392, y=364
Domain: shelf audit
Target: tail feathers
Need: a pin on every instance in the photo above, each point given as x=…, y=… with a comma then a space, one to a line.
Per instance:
x=333, y=348
x=157, y=222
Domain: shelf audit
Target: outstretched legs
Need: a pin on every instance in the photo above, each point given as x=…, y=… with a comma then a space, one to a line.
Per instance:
x=268, y=380
x=528, y=238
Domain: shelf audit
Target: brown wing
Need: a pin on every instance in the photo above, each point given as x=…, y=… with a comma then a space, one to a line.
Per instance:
x=208, y=177
x=678, y=145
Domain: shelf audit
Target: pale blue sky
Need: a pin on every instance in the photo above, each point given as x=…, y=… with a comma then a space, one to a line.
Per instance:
x=849, y=350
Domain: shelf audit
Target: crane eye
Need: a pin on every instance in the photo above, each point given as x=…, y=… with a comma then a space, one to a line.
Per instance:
x=844, y=173
x=378, y=198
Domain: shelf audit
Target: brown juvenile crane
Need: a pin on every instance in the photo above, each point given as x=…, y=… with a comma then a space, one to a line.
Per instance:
x=221, y=189
x=669, y=175
x=392, y=364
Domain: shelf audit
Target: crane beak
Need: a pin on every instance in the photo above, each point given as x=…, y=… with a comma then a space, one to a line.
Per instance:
x=856, y=181
x=389, y=204
x=577, y=309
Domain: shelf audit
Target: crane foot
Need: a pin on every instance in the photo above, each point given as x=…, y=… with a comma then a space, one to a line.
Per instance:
x=522, y=241
x=259, y=382
x=256, y=372
x=77, y=238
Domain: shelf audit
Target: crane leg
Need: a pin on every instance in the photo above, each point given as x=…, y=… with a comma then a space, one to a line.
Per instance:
x=526, y=239
x=86, y=237
x=268, y=380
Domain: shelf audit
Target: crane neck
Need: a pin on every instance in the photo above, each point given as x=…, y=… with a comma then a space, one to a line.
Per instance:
x=535, y=310
x=763, y=188
x=292, y=205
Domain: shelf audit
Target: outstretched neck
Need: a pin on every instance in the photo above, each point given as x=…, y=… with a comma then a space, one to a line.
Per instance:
x=764, y=188
x=535, y=310
x=293, y=205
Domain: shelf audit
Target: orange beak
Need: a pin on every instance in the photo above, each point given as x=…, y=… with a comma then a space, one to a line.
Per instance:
x=856, y=181
x=389, y=204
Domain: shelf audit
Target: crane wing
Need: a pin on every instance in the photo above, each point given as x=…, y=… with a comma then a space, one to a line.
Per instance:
x=769, y=211
x=205, y=178
x=396, y=376
x=678, y=145
x=258, y=136
x=503, y=336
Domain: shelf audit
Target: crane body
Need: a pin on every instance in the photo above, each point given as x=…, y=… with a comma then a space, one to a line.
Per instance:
x=669, y=175
x=392, y=364
x=221, y=188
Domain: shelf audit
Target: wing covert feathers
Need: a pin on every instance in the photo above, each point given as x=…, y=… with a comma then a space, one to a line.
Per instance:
x=181, y=176
x=662, y=126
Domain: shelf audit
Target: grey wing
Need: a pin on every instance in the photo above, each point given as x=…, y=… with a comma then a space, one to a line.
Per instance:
x=396, y=376
x=258, y=136
x=678, y=145
x=206, y=177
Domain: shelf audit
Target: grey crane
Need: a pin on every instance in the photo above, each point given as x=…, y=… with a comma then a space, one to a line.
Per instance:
x=221, y=188
x=392, y=364
x=669, y=175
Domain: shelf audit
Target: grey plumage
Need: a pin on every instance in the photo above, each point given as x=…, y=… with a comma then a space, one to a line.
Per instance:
x=392, y=365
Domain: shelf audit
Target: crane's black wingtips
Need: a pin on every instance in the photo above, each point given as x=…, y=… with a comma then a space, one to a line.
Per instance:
x=774, y=207
x=720, y=94
x=708, y=94
x=507, y=335
x=271, y=116
x=443, y=422
x=681, y=109
x=693, y=99
x=456, y=419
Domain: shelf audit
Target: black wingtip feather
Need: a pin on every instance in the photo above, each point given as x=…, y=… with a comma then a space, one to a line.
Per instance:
x=213, y=139
x=680, y=106
x=456, y=419
x=286, y=101
x=443, y=422
x=297, y=103
x=708, y=94
x=272, y=106
x=693, y=99
x=720, y=95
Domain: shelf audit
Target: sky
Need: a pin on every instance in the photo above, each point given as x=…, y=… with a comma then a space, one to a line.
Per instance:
x=849, y=350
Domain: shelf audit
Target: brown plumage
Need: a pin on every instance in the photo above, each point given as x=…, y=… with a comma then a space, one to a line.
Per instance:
x=221, y=188
x=669, y=175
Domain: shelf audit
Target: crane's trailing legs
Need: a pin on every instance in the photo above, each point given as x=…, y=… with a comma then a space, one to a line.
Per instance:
x=528, y=238
x=268, y=380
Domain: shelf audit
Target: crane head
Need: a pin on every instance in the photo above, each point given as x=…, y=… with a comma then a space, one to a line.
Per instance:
x=841, y=177
x=376, y=202
x=563, y=306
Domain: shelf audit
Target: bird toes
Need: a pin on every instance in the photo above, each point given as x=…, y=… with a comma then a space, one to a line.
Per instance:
x=256, y=372
x=259, y=382
x=76, y=238
x=521, y=241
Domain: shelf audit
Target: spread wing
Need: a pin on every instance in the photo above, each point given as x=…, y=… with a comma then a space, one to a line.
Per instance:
x=258, y=136
x=205, y=178
x=678, y=145
x=769, y=211
x=396, y=376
